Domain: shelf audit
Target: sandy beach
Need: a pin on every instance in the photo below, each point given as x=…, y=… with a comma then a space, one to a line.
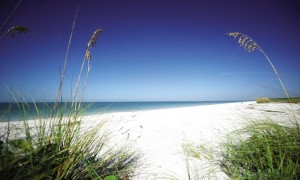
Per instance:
x=158, y=135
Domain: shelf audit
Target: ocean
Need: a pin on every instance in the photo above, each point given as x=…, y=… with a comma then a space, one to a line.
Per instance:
x=13, y=111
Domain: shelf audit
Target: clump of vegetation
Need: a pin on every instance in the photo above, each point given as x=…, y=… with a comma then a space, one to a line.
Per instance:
x=263, y=100
x=200, y=161
x=278, y=100
x=57, y=146
x=263, y=150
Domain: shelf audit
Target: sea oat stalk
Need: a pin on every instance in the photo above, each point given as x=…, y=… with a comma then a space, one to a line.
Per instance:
x=87, y=57
x=250, y=45
x=59, y=93
x=15, y=29
x=8, y=20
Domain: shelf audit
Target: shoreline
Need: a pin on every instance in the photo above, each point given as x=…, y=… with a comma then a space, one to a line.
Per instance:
x=97, y=108
x=159, y=134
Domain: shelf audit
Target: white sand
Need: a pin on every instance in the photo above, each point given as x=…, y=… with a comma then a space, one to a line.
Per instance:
x=158, y=134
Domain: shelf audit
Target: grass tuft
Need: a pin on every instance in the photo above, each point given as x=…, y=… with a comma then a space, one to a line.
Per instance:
x=58, y=146
x=262, y=149
x=270, y=151
x=200, y=161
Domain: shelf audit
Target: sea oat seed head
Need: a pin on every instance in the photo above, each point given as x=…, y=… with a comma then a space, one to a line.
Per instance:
x=88, y=56
x=91, y=44
x=234, y=34
x=17, y=29
x=245, y=41
x=93, y=39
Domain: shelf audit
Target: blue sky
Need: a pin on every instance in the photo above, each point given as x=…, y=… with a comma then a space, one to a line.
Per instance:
x=158, y=50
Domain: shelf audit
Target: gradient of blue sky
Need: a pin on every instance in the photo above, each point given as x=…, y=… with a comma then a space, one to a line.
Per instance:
x=153, y=50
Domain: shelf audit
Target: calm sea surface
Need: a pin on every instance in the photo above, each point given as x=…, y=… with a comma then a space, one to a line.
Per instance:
x=13, y=111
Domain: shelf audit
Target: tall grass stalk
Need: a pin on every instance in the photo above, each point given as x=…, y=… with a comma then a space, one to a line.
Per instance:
x=87, y=57
x=14, y=29
x=57, y=146
x=262, y=149
x=9, y=18
x=250, y=45
x=200, y=161
x=59, y=93
x=60, y=149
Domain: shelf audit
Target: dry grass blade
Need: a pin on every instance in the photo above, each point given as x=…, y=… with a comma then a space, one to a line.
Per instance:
x=59, y=94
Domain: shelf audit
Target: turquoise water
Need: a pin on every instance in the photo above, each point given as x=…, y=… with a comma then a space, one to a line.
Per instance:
x=12, y=111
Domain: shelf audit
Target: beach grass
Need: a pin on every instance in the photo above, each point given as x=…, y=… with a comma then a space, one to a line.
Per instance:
x=263, y=150
x=250, y=45
x=200, y=161
x=278, y=100
x=58, y=146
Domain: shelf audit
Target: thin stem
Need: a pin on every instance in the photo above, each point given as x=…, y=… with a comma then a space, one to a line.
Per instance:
x=276, y=73
x=4, y=35
x=59, y=93
x=84, y=86
x=87, y=57
x=77, y=85
x=9, y=18
x=250, y=45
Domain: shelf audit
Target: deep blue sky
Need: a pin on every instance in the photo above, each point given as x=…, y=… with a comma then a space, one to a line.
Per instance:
x=153, y=50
